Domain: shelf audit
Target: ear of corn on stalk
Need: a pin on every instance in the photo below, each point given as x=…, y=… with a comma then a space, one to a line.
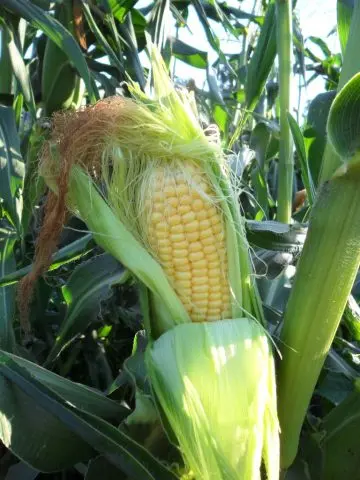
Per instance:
x=156, y=193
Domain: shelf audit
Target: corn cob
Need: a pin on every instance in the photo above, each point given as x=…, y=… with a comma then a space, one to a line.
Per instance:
x=185, y=231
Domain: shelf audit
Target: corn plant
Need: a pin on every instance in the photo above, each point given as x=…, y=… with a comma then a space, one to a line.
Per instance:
x=179, y=264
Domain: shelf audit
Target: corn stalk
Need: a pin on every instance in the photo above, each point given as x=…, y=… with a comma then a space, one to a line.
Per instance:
x=286, y=166
x=325, y=274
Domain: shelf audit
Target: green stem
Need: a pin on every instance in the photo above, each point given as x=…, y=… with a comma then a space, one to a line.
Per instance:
x=351, y=65
x=286, y=164
x=323, y=282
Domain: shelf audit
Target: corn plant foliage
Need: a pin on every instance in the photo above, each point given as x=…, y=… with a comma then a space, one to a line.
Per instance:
x=314, y=131
x=47, y=414
x=75, y=396
x=89, y=284
x=344, y=13
x=12, y=168
x=343, y=122
x=7, y=294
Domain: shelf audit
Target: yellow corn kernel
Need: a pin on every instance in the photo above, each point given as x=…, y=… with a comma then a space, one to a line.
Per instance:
x=209, y=248
x=196, y=256
x=177, y=228
x=192, y=236
x=186, y=232
x=183, y=275
x=195, y=247
x=183, y=209
x=191, y=226
x=173, y=220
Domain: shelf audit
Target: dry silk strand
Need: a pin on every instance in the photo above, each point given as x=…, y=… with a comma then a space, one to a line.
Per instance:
x=184, y=228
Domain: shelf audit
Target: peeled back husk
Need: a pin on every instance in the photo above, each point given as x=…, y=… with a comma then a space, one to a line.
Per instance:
x=215, y=383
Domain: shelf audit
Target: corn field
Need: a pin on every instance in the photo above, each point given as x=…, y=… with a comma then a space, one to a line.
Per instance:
x=179, y=241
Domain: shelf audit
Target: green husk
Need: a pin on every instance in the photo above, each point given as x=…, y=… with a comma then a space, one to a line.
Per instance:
x=219, y=397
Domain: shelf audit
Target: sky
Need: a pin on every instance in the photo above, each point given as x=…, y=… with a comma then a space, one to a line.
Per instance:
x=317, y=18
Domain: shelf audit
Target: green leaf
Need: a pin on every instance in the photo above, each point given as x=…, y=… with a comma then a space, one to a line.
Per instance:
x=7, y=295
x=158, y=26
x=134, y=371
x=215, y=92
x=221, y=117
x=70, y=253
x=121, y=7
x=89, y=284
x=83, y=397
x=101, y=38
x=34, y=185
x=11, y=167
x=335, y=387
x=128, y=35
x=19, y=68
x=188, y=54
x=23, y=471
x=352, y=318
x=88, y=432
x=100, y=467
x=41, y=20
x=340, y=440
x=272, y=235
x=34, y=434
x=209, y=32
x=301, y=151
x=322, y=45
x=344, y=13
x=344, y=119
x=315, y=131
x=262, y=59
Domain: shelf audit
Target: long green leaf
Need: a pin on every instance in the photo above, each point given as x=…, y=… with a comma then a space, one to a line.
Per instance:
x=315, y=131
x=101, y=39
x=57, y=33
x=83, y=397
x=340, y=439
x=7, y=295
x=34, y=434
x=188, y=54
x=351, y=65
x=262, y=59
x=70, y=253
x=343, y=123
x=90, y=430
x=89, y=284
x=301, y=151
x=344, y=13
x=19, y=68
x=11, y=167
